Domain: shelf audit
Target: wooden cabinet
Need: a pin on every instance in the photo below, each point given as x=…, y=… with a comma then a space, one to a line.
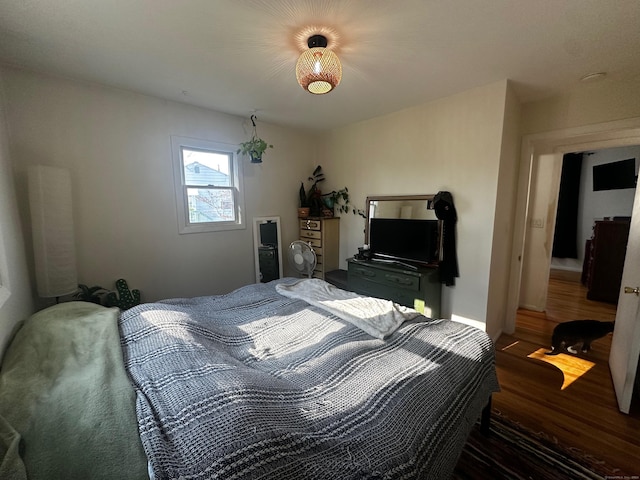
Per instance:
x=604, y=260
x=323, y=234
x=419, y=289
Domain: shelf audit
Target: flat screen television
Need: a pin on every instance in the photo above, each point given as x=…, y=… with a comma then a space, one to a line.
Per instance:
x=615, y=175
x=412, y=241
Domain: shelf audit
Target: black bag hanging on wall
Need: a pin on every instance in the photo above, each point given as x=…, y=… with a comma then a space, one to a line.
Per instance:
x=446, y=211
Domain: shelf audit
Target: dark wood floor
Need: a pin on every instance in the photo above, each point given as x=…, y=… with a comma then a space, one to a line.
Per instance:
x=573, y=399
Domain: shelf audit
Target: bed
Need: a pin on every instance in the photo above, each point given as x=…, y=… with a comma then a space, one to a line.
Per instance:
x=292, y=379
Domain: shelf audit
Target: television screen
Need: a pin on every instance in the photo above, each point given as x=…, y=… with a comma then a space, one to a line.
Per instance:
x=406, y=240
x=615, y=175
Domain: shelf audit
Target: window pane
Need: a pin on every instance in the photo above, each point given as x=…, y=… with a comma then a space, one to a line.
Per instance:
x=210, y=205
x=208, y=185
x=206, y=168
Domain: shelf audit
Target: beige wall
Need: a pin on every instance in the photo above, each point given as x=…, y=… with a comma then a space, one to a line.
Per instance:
x=16, y=299
x=586, y=104
x=453, y=144
x=117, y=146
x=575, y=115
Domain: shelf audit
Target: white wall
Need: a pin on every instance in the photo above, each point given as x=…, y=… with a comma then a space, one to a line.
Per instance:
x=117, y=146
x=452, y=144
x=16, y=298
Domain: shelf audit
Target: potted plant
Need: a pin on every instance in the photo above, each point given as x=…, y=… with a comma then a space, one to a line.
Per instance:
x=95, y=294
x=303, y=205
x=254, y=147
x=313, y=197
x=340, y=200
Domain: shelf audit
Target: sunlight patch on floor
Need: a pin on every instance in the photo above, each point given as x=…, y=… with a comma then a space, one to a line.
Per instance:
x=571, y=367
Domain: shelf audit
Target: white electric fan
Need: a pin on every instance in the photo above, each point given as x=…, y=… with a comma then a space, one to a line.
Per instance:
x=302, y=257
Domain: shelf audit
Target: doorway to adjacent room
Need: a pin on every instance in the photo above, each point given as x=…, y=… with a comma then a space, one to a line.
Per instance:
x=544, y=150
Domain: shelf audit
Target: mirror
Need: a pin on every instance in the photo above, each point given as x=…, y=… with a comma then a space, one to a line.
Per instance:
x=416, y=207
x=267, y=249
x=403, y=229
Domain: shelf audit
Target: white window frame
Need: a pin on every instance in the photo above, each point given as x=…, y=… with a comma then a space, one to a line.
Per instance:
x=184, y=225
x=5, y=293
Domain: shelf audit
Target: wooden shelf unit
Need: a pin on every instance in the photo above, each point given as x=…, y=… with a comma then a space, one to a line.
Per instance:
x=323, y=234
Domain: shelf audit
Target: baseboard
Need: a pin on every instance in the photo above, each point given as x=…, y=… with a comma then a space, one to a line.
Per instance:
x=533, y=308
x=566, y=268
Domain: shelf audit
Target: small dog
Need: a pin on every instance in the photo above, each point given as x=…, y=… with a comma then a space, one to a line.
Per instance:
x=568, y=335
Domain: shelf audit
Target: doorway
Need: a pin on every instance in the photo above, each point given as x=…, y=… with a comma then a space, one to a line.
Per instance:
x=533, y=230
x=595, y=187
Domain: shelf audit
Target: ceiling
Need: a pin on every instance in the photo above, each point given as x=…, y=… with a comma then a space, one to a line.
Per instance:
x=238, y=56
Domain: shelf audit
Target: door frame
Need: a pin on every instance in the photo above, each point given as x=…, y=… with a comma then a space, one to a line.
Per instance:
x=619, y=133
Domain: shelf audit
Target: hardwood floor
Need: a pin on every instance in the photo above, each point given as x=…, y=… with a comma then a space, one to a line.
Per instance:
x=573, y=399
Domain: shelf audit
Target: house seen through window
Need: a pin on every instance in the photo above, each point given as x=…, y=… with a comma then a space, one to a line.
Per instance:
x=209, y=189
x=209, y=195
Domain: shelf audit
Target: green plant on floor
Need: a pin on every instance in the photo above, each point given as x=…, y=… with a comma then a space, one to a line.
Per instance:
x=124, y=298
x=94, y=294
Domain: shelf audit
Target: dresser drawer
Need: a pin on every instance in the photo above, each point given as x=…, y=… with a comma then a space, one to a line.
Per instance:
x=323, y=235
x=387, y=278
x=310, y=225
x=371, y=289
x=304, y=234
x=420, y=289
x=314, y=242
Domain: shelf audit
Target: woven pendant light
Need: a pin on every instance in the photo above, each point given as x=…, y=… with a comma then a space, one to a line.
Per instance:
x=318, y=69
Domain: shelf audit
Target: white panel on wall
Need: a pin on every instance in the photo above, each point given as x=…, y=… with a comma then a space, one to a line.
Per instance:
x=50, y=204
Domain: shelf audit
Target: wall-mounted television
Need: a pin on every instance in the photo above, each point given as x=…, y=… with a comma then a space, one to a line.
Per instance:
x=615, y=175
x=413, y=241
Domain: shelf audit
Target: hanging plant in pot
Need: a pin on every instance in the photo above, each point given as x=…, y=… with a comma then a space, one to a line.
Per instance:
x=255, y=147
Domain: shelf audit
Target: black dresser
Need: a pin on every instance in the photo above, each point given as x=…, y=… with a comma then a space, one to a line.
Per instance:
x=419, y=289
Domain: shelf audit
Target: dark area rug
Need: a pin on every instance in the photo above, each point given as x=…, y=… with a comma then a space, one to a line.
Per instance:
x=513, y=452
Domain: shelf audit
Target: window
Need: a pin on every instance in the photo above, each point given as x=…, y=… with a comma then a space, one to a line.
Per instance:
x=208, y=185
x=4, y=291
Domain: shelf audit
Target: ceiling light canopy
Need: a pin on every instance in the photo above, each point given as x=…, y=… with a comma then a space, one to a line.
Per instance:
x=318, y=69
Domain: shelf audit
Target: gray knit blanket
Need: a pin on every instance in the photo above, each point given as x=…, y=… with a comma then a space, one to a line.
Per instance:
x=256, y=385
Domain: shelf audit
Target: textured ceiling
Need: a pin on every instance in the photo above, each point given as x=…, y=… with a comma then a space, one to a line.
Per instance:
x=238, y=56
